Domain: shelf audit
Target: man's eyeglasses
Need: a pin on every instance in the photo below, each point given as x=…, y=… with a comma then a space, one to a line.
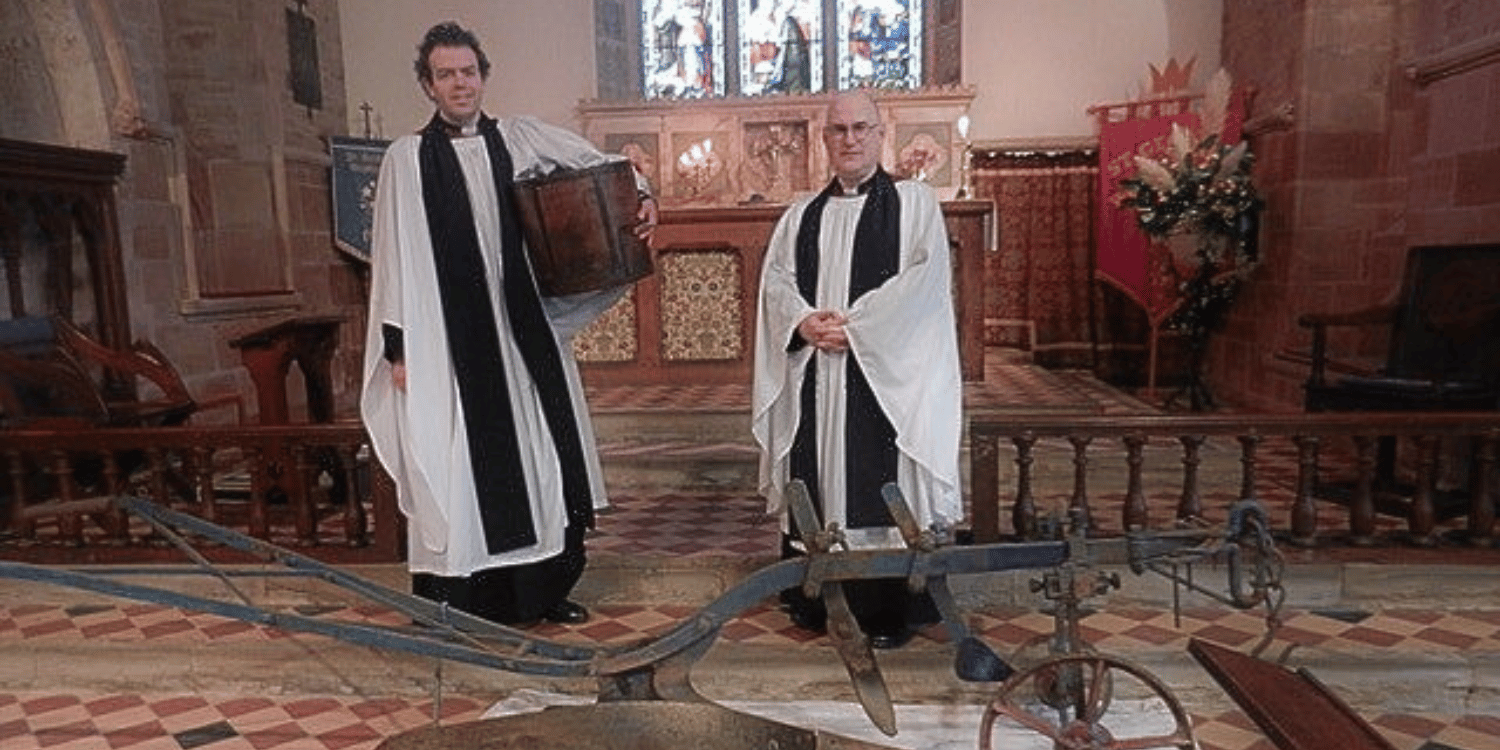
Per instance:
x=860, y=130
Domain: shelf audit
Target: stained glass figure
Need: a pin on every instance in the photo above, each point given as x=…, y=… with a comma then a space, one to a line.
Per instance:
x=781, y=46
x=881, y=43
x=683, y=42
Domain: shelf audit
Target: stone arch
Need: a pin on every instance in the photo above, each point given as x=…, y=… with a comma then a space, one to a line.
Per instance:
x=60, y=82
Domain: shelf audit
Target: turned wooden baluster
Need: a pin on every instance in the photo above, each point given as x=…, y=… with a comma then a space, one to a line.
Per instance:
x=984, y=486
x=1248, y=444
x=1135, y=516
x=203, y=479
x=20, y=523
x=1023, y=510
x=259, y=521
x=390, y=532
x=114, y=519
x=1362, y=505
x=69, y=523
x=356, y=523
x=1482, y=504
x=156, y=460
x=1422, y=515
x=304, y=512
x=1190, y=504
x=1304, y=509
x=1080, y=502
x=157, y=468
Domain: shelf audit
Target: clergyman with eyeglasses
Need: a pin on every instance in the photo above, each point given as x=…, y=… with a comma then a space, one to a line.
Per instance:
x=857, y=379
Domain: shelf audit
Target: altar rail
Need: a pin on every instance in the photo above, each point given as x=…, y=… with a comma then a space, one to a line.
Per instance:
x=1334, y=457
x=315, y=487
x=309, y=486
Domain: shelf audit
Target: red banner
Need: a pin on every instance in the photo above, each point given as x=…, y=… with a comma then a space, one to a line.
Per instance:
x=1125, y=258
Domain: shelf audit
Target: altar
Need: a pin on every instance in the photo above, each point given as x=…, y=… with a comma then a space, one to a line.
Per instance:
x=692, y=321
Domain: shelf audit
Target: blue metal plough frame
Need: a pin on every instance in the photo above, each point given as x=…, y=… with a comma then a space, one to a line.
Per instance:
x=657, y=669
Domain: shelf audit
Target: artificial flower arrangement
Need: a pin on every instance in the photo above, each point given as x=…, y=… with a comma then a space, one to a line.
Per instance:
x=1198, y=200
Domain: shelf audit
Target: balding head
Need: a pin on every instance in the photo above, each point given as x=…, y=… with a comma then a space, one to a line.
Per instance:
x=857, y=103
x=853, y=135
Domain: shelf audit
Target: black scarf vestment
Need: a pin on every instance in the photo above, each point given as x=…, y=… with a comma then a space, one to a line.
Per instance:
x=469, y=318
x=869, y=438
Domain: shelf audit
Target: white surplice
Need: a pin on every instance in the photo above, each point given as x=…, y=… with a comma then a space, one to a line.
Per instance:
x=902, y=334
x=419, y=434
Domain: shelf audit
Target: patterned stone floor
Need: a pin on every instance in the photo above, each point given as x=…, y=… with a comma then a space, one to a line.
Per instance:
x=168, y=719
x=181, y=722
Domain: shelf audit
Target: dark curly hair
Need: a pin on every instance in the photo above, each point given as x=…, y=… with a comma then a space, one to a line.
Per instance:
x=448, y=34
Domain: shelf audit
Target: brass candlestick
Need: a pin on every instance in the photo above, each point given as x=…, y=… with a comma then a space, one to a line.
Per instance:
x=963, y=183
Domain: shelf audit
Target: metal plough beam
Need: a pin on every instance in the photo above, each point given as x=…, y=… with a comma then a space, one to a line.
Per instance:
x=454, y=635
x=658, y=669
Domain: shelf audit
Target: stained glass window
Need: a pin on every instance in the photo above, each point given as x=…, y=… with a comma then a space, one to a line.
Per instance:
x=781, y=46
x=683, y=42
x=710, y=48
x=881, y=43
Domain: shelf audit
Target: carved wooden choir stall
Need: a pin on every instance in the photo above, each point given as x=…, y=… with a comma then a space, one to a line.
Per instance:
x=63, y=289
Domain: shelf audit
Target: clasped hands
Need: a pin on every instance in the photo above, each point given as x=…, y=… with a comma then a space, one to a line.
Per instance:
x=824, y=331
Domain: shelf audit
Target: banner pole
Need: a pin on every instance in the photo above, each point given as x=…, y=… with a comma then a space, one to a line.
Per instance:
x=1151, y=366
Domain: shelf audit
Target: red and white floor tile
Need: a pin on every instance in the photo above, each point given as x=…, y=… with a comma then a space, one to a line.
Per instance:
x=171, y=720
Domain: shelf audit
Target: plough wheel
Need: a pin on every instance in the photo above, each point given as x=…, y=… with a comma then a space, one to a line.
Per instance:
x=1065, y=698
x=1038, y=651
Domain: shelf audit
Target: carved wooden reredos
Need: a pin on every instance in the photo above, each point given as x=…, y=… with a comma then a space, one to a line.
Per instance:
x=723, y=170
x=744, y=150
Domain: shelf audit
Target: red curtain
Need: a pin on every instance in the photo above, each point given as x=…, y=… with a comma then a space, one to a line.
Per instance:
x=1039, y=289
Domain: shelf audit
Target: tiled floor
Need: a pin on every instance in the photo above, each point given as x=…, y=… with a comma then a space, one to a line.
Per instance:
x=182, y=722
x=707, y=526
x=168, y=720
x=173, y=722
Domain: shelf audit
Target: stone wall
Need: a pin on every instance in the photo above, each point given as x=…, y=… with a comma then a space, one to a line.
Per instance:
x=223, y=206
x=1357, y=161
x=1454, y=135
x=254, y=163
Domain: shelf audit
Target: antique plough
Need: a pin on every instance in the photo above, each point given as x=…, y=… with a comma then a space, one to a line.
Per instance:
x=647, y=684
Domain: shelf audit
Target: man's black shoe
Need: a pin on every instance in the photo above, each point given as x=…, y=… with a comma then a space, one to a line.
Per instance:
x=887, y=641
x=566, y=613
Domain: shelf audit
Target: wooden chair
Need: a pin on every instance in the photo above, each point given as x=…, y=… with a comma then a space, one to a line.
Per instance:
x=52, y=374
x=1443, y=352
